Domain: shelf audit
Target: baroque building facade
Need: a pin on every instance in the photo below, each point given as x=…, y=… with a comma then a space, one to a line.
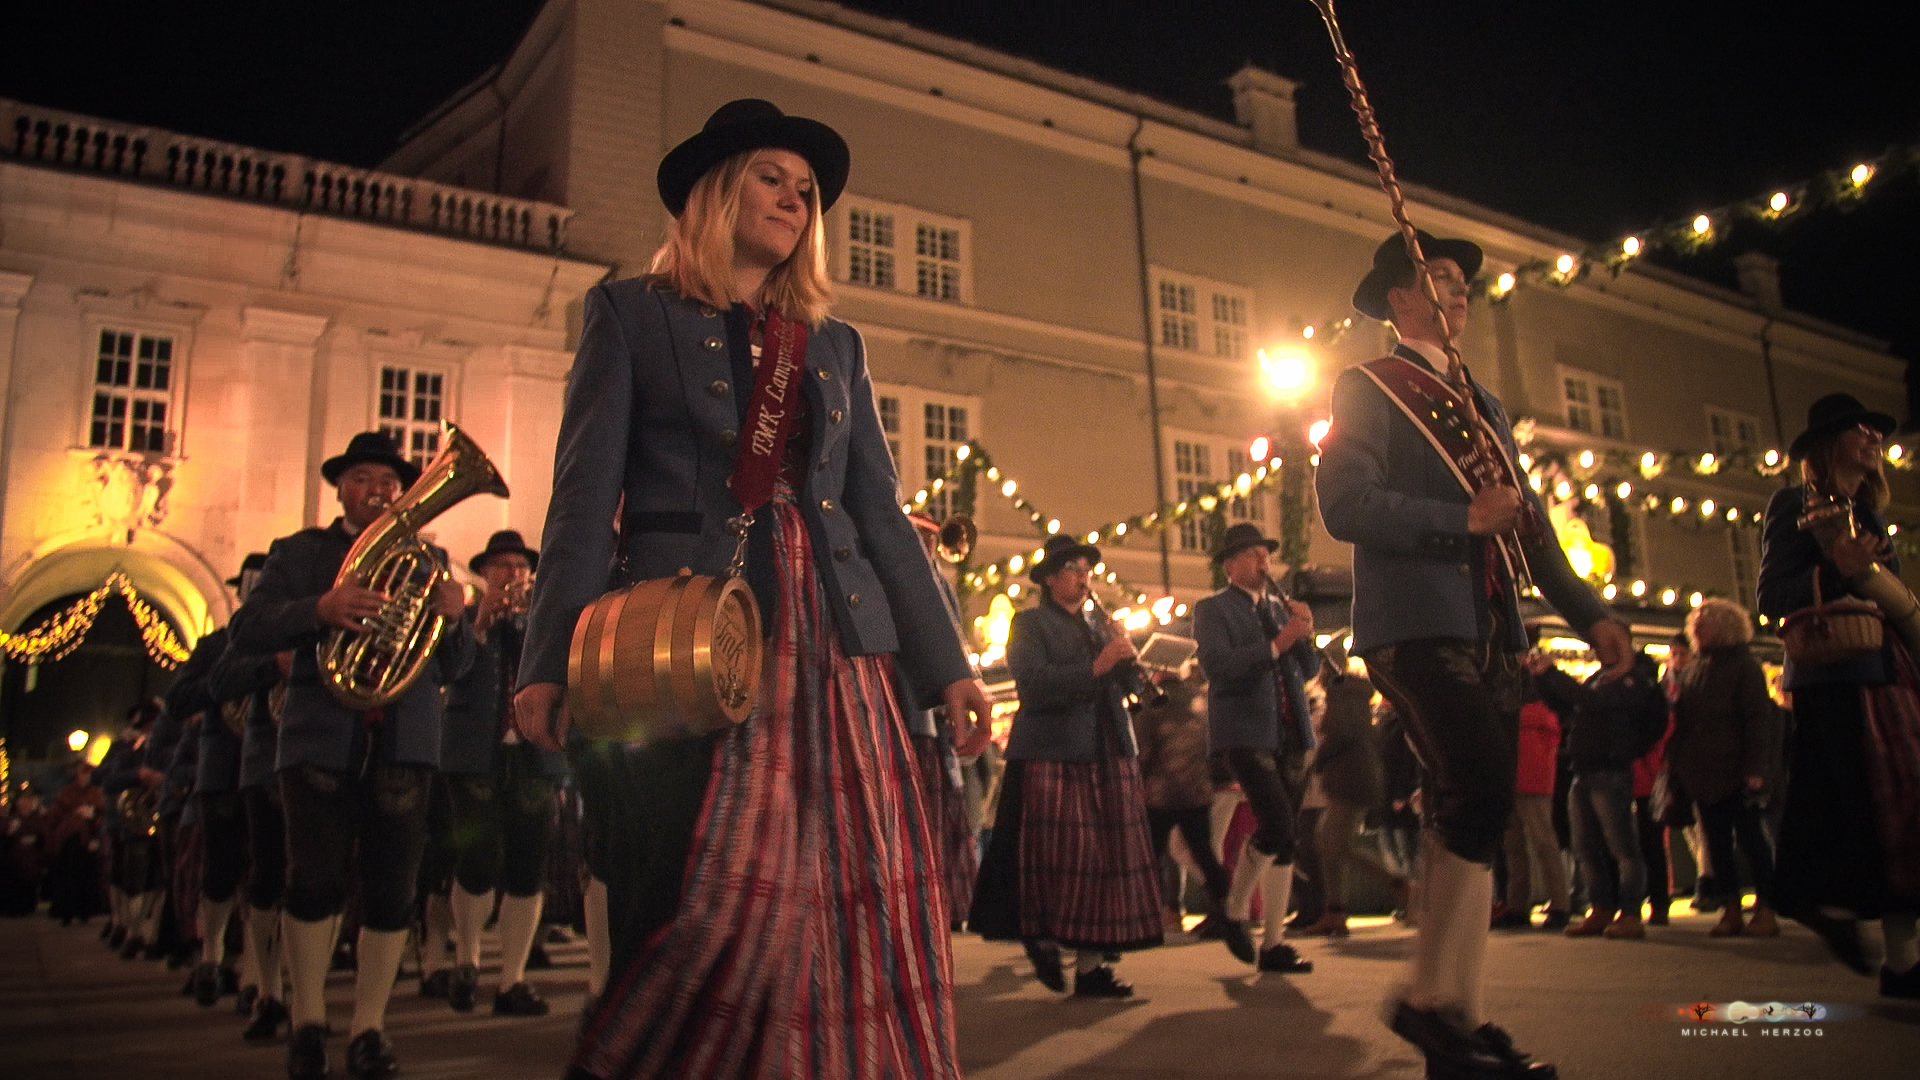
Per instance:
x=1090, y=285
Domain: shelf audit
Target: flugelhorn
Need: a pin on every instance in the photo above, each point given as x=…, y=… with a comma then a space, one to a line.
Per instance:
x=373, y=666
x=957, y=536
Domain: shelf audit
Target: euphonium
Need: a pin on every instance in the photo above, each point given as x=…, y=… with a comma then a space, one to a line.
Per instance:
x=138, y=809
x=370, y=667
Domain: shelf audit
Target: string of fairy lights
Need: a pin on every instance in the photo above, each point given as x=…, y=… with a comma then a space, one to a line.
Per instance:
x=60, y=634
x=1617, y=479
x=1833, y=189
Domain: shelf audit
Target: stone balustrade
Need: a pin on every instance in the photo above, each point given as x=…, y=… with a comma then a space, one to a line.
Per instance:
x=152, y=155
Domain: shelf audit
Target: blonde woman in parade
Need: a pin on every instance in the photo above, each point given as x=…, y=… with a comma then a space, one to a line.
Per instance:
x=1850, y=831
x=774, y=904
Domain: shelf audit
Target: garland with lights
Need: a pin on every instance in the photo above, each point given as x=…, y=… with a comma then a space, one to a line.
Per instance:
x=57, y=637
x=1835, y=189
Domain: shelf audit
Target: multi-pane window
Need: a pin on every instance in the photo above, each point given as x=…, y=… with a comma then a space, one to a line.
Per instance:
x=1200, y=466
x=1594, y=404
x=410, y=407
x=133, y=380
x=1202, y=316
x=1730, y=432
x=906, y=250
x=1745, y=545
x=923, y=430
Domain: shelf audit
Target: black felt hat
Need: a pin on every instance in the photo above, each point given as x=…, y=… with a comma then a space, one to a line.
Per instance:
x=252, y=564
x=1060, y=550
x=1239, y=538
x=1837, y=412
x=504, y=542
x=1392, y=264
x=370, y=446
x=753, y=124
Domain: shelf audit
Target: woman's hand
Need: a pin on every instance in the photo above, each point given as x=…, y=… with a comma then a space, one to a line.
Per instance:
x=1855, y=555
x=970, y=713
x=540, y=715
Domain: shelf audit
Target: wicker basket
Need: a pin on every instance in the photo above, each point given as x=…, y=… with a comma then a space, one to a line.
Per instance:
x=1832, y=633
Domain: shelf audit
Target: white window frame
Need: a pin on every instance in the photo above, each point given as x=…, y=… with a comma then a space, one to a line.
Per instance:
x=1743, y=545
x=1225, y=460
x=919, y=455
x=417, y=436
x=929, y=255
x=1201, y=316
x=1730, y=432
x=174, y=341
x=1583, y=397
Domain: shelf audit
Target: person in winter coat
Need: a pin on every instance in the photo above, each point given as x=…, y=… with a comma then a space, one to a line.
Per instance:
x=1723, y=750
x=1533, y=848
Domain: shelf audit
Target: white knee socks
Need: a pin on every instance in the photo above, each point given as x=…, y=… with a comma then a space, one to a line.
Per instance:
x=519, y=921
x=379, y=953
x=1450, y=949
x=1276, y=889
x=1246, y=875
x=470, y=911
x=213, y=929
x=263, y=946
x=309, y=947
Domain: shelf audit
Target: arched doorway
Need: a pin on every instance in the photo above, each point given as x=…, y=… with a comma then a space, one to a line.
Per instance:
x=90, y=689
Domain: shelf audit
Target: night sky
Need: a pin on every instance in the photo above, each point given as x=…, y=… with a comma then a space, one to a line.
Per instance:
x=1592, y=119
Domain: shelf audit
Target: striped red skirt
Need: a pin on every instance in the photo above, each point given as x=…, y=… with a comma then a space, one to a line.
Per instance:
x=1071, y=860
x=811, y=934
x=949, y=814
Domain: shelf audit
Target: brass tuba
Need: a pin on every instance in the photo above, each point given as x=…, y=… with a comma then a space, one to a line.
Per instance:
x=371, y=667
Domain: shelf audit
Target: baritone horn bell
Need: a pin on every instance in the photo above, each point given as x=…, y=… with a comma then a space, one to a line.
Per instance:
x=957, y=535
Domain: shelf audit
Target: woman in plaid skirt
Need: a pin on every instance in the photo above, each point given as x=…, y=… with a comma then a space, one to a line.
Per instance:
x=1071, y=862
x=773, y=890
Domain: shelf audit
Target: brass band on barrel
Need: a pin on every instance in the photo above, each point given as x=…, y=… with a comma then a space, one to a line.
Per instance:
x=643, y=663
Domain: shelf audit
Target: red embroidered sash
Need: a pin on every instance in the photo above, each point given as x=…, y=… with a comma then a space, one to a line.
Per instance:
x=776, y=389
x=1448, y=423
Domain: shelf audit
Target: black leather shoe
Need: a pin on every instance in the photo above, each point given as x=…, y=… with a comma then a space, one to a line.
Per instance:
x=307, y=1053
x=116, y=937
x=463, y=988
x=1900, y=986
x=1046, y=965
x=206, y=985
x=370, y=1056
x=1100, y=983
x=1511, y=919
x=519, y=1000
x=1282, y=958
x=1215, y=928
x=1842, y=937
x=1496, y=1039
x=132, y=949
x=435, y=985
x=1238, y=941
x=1454, y=1053
x=246, y=999
x=264, y=1027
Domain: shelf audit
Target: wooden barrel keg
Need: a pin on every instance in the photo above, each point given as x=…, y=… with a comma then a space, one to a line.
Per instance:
x=665, y=657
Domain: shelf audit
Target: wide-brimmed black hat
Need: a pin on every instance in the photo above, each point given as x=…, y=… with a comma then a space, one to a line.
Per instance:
x=252, y=564
x=1392, y=264
x=504, y=542
x=753, y=124
x=370, y=446
x=1837, y=412
x=1239, y=538
x=1060, y=550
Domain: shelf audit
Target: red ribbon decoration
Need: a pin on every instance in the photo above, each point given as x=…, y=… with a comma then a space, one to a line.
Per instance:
x=776, y=387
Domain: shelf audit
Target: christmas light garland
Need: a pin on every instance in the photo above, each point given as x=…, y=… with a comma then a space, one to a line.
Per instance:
x=57, y=637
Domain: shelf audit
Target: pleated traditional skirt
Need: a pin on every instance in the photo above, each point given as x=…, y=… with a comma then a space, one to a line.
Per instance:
x=810, y=937
x=1071, y=860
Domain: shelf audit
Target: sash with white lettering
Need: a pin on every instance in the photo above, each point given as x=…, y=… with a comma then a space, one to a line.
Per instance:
x=776, y=387
x=1447, y=422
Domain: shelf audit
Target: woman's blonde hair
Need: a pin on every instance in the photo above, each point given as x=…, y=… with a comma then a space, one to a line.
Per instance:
x=1816, y=468
x=1717, y=623
x=697, y=259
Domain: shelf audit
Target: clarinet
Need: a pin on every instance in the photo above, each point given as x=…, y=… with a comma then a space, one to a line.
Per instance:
x=1133, y=679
